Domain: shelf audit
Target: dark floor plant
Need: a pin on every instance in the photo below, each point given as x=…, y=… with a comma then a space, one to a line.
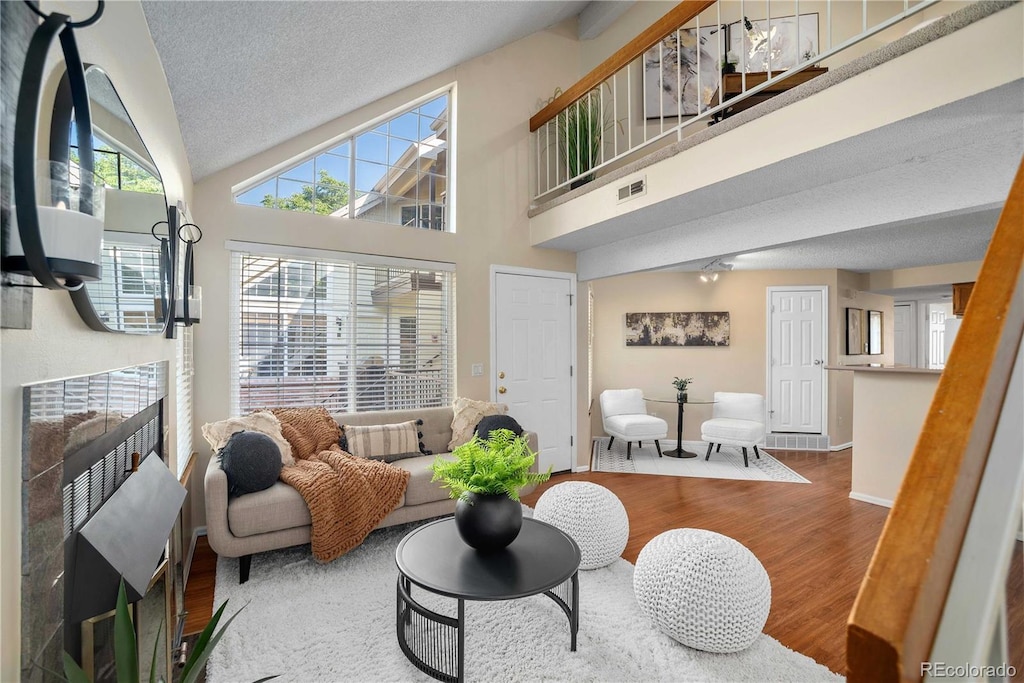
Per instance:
x=126, y=652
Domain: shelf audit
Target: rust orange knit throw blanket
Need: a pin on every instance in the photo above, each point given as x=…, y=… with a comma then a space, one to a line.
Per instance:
x=347, y=496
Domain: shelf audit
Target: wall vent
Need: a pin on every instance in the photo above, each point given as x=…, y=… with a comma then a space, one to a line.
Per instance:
x=797, y=442
x=634, y=189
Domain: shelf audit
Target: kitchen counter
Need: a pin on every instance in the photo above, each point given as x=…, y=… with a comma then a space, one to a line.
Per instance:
x=889, y=408
x=877, y=367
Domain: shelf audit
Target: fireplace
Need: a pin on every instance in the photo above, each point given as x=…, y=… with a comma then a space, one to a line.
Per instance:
x=87, y=519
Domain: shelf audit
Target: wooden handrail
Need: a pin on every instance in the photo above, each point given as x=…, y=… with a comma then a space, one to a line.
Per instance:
x=894, y=620
x=676, y=17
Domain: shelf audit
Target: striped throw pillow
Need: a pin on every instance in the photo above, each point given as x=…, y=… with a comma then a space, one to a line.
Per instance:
x=384, y=442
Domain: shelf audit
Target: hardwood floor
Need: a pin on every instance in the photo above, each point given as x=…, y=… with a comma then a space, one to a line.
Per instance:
x=814, y=541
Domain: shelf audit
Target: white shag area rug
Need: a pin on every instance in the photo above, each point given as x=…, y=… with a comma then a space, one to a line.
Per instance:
x=726, y=464
x=336, y=622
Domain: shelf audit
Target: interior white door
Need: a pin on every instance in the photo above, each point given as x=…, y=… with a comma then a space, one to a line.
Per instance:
x=797, y=361
x=937, y=314
x=533, y=358
x=903, y=329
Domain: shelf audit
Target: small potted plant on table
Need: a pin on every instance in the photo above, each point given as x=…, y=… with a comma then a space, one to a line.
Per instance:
x=485, y=477
x=680, y=385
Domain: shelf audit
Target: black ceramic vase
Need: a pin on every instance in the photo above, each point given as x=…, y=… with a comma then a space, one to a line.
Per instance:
x=488, y=522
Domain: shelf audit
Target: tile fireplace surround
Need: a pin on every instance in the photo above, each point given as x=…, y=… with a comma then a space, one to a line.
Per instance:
x=60, y=490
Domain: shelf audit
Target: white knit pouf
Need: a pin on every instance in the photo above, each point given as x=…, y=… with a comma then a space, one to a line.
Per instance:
x=592, y=515
x=704, y=589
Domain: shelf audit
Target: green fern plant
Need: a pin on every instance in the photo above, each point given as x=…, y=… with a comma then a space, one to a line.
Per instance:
x=501, y=464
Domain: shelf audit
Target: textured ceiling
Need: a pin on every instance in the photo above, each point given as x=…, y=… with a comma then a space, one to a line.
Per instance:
x=956, y=159
x=247, y=75
x=931, y=240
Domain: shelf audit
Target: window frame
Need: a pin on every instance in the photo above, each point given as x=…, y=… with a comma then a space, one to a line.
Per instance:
x=447, y=196
x=336, y=323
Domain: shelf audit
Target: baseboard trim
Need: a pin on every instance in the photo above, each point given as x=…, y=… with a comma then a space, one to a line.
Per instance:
x=796, y=441
x=581, y=468
x=874, y=500
x=842, y=446
x=196, y=533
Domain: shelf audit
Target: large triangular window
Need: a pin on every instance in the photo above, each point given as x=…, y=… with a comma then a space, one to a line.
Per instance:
x=396, y=172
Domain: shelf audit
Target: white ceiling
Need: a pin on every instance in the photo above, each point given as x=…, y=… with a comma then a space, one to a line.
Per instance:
x=246, y=75
x=925, y=241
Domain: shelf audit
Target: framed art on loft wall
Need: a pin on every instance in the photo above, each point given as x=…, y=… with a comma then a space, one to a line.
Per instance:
x=777, y=37
x=701, y=328
x=671, y=70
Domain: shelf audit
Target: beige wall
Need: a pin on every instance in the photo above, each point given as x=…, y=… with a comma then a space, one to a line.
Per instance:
x=494, y=99
x=738, y=367
x=59, y=344
x=889, y=412
x=925, y=276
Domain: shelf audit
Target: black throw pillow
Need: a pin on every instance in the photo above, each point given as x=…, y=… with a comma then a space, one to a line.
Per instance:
x=252, y=462
x=491, y=422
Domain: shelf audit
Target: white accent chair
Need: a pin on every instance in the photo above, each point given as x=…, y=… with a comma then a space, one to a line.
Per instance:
x=624, y=415
x=736, y=420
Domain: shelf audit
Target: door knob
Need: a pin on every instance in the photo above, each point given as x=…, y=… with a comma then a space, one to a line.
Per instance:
x=818, y=362
x=501, y=375
x=501, y=390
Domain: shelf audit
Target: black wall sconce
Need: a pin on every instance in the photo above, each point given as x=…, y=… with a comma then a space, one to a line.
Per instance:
x=189, y=308
x=59, y=234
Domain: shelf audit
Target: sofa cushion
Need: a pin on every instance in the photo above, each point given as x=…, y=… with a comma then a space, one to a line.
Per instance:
x=265, y=422
x=637, y=426
x=466, y=415
x=251, y=460
x=436, y=427
x=388, y=442
x=273, y=509
x=420, y=489
x=730, y=429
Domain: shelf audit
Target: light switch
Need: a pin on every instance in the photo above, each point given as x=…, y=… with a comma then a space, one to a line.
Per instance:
x=478, y=369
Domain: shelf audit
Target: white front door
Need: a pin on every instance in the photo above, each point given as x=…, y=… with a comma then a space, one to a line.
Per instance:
x=533, y=374
x=796, y=358
x=904, y=330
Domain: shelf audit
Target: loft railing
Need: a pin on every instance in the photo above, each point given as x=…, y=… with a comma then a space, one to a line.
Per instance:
x=932, y=594
x=670, y=77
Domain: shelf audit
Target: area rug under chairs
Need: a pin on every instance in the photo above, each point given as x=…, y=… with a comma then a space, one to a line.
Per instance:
x=336, y=622
x=726, y=464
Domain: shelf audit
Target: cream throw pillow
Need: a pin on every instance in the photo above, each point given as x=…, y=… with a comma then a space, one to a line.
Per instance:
x=467, y=414
x=265, y=422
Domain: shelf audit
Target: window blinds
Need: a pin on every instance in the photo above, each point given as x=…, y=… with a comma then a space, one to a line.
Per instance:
x=348, y=335
x=183, y=397
x=131, y=282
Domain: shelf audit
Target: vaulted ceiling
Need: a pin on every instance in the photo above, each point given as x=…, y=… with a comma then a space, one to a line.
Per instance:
x=245, y=75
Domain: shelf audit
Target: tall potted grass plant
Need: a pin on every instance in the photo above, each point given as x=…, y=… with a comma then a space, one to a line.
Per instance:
x=579, y=133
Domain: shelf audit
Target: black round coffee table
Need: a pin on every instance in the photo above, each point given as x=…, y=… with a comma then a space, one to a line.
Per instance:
x=542, y=559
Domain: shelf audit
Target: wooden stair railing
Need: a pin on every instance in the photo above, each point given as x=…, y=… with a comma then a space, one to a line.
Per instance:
x=673, y=19
x=895, y=618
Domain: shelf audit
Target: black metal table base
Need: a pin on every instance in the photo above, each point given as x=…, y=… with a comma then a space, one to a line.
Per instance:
x=436, y=643
x=679, y=453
